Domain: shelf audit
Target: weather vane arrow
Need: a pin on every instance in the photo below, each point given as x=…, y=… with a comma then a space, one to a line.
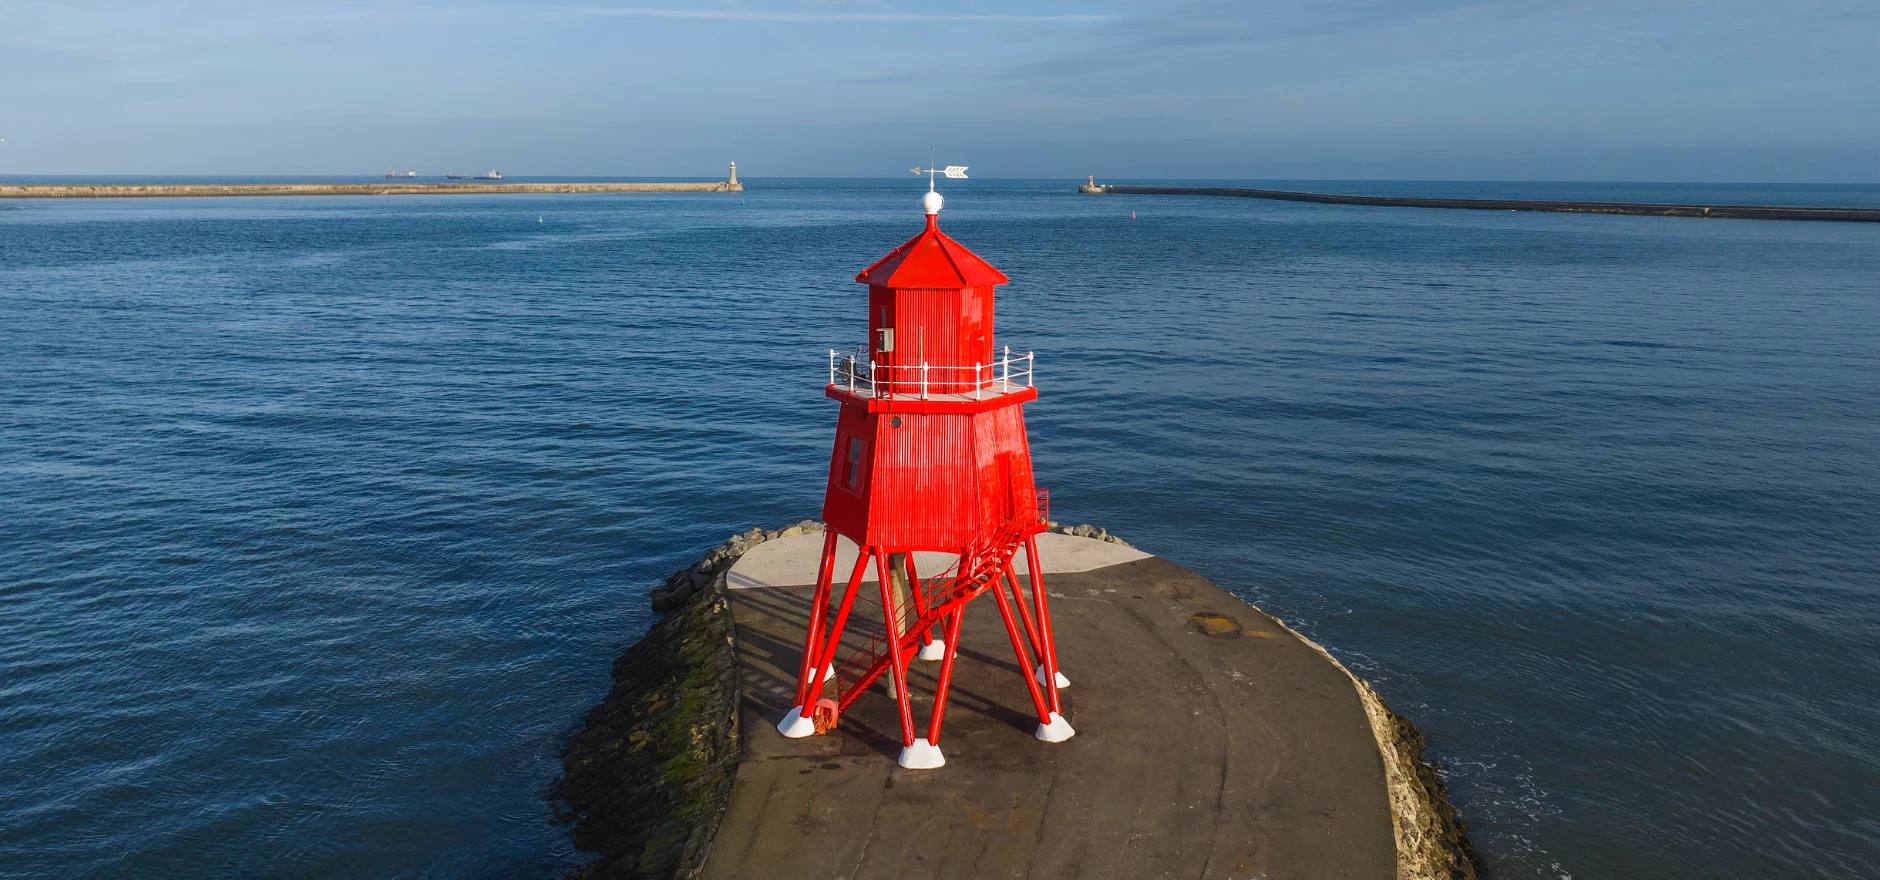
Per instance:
x=957, y=172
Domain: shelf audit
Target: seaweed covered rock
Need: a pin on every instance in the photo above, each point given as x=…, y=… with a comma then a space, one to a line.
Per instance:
x=647, y=777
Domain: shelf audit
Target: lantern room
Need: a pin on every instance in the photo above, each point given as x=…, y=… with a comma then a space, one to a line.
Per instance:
x=930, y=302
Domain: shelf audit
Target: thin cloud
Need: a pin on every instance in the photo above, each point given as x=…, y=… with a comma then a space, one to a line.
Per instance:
x=822, y=17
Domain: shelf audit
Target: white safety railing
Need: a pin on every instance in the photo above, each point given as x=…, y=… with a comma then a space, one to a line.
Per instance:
x=857, y=372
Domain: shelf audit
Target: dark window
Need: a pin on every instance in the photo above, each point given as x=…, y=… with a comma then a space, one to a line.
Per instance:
x=855, y=464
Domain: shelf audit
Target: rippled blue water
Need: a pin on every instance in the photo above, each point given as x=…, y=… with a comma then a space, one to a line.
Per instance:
x=321, y=519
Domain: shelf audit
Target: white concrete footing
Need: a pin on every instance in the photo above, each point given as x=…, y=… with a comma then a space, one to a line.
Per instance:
x=1038, y=676
x=934, y=650
x=922, y=755
x=829, y=672
x=795, y=726
x=1057, y=731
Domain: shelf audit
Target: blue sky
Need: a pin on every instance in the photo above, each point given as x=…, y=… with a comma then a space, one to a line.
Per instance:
x=1641, y=90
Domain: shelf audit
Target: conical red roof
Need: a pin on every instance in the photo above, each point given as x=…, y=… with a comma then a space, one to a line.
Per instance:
x=931, y=259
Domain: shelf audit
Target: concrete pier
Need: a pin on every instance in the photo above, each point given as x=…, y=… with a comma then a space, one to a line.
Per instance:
x=1211, y=742
x=148, y=191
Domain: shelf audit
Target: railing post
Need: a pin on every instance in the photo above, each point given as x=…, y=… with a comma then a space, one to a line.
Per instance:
x=846, y=370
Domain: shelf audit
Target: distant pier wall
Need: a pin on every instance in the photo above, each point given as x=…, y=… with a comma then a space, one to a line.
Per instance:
x=1646, y=209
x=184, y=190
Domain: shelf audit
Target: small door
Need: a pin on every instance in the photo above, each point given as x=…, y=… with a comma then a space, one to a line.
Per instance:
x=1007, y=489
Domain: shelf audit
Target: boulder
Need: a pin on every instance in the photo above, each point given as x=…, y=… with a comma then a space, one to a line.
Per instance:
x=665, y=600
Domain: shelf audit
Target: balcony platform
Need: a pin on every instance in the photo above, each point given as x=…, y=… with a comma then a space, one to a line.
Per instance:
x=1211, y=742
x=917, y=388
x=970, y=402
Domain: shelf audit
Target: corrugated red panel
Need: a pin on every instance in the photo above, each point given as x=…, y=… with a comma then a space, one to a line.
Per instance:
x=1004, y=465
x=936, y=326
x=923, y=495
x=932, y=482
x=845, y=504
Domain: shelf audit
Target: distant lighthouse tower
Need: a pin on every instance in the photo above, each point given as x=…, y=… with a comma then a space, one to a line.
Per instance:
x=734, y=175
x=930, y=455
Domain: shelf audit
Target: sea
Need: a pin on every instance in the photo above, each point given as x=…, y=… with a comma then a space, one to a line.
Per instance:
x=322, y=518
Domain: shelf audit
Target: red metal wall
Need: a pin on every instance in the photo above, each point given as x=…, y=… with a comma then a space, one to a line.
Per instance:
x=845, y=509
x=932, y=482
x=943, y=327
x=923, y=495
x=1004, y=465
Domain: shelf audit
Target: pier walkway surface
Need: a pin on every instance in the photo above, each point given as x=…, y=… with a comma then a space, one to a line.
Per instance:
x=1211, y=742
x=182, y=190
x=1645, y=209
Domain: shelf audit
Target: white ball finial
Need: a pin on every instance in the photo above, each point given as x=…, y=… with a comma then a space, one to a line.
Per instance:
x=931, y=202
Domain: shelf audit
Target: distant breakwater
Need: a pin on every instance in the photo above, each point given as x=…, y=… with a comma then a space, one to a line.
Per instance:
x=146, y=191
x=1735, y=212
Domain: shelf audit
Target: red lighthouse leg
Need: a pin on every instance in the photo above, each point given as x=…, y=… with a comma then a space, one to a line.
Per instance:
x=928, y=650
x=915, y=588
x=1024, y=614
x=1047, y=651
x=1051, y=724
x=946, y=676
x=801, y=720
x=1018, y=647
x=915, y=754
x=826, y=657
x=818, y=614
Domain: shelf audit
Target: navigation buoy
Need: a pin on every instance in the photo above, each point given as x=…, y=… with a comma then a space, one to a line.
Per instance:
x=1132, y=215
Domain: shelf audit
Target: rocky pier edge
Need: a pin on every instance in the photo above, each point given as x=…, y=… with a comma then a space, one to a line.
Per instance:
x=646, y=779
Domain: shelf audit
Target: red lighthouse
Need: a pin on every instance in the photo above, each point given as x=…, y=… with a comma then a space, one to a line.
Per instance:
x=930, y=455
